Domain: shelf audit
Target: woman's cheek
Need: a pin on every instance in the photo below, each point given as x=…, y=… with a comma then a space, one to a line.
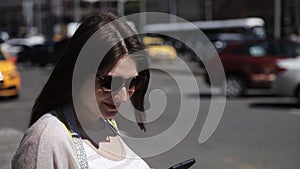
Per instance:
x=101, y=96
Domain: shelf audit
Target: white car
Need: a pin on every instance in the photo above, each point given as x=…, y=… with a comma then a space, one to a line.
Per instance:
x=287, y=82
x=14, y=46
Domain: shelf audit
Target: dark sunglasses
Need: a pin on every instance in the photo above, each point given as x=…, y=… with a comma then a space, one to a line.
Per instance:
x=115, y=83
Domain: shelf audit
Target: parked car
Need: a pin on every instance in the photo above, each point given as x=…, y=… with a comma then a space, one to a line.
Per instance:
x=221, y=40
x=159, y=49
x=287, y=82
x=42, y=54
x=10, y=81
x=252, y=64
x=16, y=45
x=4, y=36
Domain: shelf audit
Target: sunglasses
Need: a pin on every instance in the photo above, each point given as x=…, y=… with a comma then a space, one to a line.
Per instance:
x=115, y=83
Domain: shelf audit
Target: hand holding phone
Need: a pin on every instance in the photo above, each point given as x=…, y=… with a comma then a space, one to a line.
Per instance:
x=184, y=165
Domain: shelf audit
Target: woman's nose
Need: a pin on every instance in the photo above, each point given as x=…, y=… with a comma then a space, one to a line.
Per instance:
x=122, y=95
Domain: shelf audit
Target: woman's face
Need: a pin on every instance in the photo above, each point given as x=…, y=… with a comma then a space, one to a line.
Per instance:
x=111, y=97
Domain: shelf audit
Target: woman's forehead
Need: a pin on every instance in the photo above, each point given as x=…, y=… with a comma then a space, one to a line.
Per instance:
x=125, y=67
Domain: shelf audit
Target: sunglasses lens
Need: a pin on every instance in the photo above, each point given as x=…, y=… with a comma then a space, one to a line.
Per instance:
x=110, y=83
x=135, y=83
x=116, y=83
x=105, y=82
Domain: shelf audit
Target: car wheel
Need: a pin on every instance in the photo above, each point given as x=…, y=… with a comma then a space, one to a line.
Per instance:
x=235, y=86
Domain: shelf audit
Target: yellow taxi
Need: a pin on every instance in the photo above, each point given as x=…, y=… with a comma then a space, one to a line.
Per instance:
x=10, y=81
x=158, y=49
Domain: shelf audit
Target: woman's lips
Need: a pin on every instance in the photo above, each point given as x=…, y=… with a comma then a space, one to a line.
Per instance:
x=111, y=107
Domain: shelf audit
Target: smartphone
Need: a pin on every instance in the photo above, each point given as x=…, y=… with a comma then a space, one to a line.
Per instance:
x=184, y=165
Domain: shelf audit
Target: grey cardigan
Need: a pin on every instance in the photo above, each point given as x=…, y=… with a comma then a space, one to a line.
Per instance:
x=46, y=144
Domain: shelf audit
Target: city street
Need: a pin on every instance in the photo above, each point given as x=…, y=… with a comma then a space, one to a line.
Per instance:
x=256, y=132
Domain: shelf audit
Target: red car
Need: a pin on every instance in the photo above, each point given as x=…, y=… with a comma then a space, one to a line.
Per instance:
x=252, y=64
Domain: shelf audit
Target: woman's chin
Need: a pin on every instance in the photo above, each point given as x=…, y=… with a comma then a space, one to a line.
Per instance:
x=110, y=115
x=108, y=111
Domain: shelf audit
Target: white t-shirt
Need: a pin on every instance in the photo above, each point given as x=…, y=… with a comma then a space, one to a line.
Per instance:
x=131, y=160
x=47, y=144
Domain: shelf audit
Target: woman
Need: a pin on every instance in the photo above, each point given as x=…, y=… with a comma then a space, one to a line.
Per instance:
x=56, y=138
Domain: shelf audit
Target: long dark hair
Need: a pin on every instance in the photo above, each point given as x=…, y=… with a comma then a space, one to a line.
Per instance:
x=58, y=89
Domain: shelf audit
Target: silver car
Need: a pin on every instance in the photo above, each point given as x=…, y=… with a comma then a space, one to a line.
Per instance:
x=287, y=82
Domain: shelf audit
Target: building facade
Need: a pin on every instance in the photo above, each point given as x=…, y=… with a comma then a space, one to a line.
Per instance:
x=17, y=19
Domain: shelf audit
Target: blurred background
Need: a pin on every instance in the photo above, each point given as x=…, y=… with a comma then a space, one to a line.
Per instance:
x=21, y=17
x=258, y=43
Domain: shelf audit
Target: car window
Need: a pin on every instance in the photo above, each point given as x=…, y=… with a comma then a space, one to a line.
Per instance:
x=255, y=49
x=286, y=48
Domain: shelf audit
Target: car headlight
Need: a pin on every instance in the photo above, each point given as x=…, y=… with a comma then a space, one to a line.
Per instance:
x=1, y=77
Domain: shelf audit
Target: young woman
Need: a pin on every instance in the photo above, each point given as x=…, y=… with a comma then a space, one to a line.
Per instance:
x=56, y=138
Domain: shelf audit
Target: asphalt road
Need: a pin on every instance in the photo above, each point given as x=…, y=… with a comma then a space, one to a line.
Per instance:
x=256, y=132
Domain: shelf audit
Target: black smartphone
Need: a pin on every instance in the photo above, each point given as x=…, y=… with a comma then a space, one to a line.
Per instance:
x=184, y=165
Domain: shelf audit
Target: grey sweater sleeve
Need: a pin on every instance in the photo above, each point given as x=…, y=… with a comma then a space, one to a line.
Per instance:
x=46, y=145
